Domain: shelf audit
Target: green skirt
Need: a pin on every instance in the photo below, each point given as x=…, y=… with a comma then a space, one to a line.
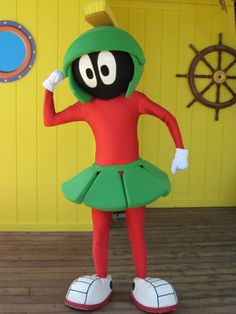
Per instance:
x=115, y=188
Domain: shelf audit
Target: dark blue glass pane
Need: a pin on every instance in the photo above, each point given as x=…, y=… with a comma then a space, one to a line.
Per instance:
x=12, y=51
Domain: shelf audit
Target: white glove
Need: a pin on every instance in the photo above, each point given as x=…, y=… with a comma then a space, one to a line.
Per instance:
x=180, y=161
x=56, y=77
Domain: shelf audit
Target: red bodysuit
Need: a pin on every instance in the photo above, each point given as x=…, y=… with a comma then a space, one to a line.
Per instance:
x=114, y=125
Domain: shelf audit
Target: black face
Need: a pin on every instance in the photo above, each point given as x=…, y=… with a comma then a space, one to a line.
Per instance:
x=104, y=74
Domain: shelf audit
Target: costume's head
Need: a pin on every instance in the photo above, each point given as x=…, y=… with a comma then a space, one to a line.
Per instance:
x=103, y=63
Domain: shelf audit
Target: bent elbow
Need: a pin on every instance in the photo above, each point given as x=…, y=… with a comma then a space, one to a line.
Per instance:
x=170, y=119
x=48, y=123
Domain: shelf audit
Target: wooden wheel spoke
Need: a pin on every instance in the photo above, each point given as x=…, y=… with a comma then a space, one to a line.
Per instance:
x=219, y=59
x=229, y=88
x=217, y=114
x=194, y=48
x=201, y=93
x=220, y=39
x=191, y=103
x=218, y=86
x=231, y=77
x=181, y=75
x=203, y=59
x=202, y=76
x=195, y=75
x=229, y=65
x=207, y=88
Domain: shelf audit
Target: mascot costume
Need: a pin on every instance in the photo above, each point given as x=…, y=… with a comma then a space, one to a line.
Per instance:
x=104, y=66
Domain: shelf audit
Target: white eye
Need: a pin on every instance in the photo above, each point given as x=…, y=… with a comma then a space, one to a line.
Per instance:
x=87, y=71
x=107, y=67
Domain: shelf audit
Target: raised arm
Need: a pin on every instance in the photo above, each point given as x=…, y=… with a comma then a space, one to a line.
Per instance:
x=146, y=106
x=51, y=117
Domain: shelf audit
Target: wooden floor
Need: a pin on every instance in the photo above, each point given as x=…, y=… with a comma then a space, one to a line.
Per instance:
x=195, y=249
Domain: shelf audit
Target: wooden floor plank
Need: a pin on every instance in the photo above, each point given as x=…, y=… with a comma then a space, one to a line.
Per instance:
x=194, y=248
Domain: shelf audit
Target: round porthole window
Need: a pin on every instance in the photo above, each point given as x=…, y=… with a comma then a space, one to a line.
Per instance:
x=17, y=51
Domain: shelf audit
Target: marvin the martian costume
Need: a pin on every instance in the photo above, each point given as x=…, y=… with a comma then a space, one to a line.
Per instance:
x=104, y=66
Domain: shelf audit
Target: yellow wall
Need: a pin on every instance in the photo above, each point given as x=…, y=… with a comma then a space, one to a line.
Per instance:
x=35, y=159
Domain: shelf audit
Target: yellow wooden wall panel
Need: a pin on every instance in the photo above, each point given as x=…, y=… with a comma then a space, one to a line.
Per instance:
x=228, y=165
x=68, y=23
x=47, y=147
x=8, y=208
x=228, y=182
x=215, y=129
x=137, y=22
x=167, y=5
x=27, y=126
x=203, y=36
x=122, y=17
x=183, y=97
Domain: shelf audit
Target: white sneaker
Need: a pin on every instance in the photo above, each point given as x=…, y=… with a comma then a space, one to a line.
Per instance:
x=154, y=295
x=89, y=292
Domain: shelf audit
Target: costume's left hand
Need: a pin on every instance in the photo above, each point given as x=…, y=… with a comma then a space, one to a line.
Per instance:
x=180, y=161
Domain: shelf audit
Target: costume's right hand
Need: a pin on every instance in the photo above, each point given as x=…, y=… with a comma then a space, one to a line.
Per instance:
x=56, y=77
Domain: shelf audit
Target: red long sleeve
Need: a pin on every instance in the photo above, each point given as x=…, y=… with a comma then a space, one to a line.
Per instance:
x=146, y=106
x=70, y=114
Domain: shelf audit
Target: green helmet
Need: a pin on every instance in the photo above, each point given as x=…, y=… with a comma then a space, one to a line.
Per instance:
x=99, y=39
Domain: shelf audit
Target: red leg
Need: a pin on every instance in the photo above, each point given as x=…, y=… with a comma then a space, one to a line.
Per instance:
x=101, y=232
x=135, y=221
